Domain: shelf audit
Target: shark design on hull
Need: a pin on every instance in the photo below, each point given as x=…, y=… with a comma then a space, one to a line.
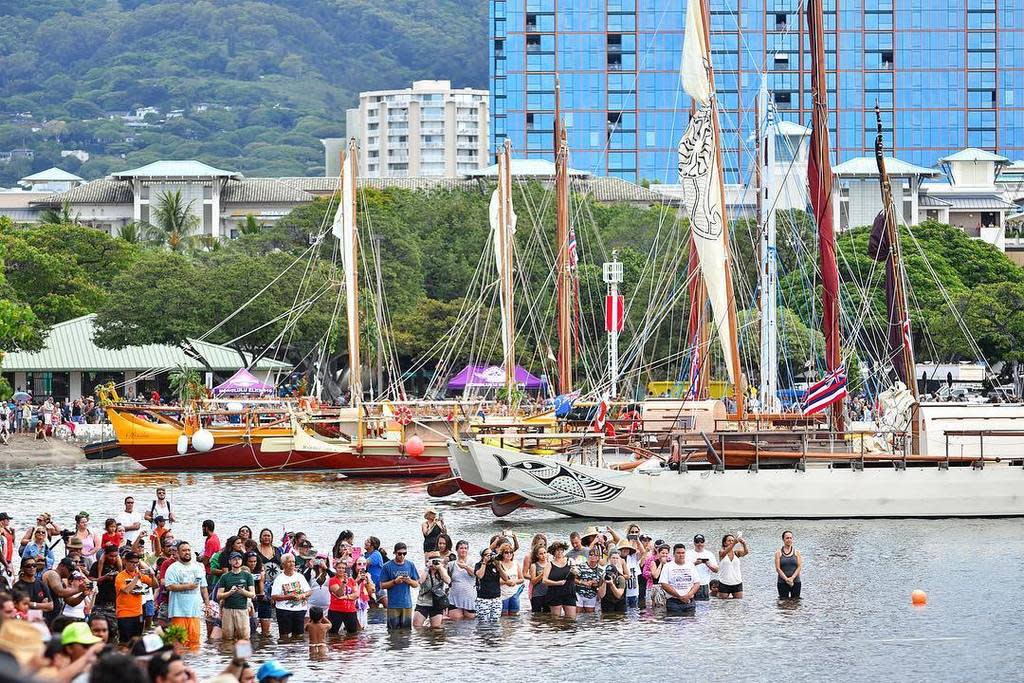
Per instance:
x=560, y=484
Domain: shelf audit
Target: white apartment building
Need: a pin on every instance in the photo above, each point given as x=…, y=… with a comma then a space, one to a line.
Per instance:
x=429, y=130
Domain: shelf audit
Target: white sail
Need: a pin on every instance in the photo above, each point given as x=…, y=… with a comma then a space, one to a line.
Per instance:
x=344, y=228
x=695, y=64
x=699, y=177
x=503, y=235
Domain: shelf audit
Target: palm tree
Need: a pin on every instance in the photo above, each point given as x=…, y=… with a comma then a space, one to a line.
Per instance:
x=132, y=233
x=251, y=226
x=173, y=222
x=62, y=216
x=187, y=384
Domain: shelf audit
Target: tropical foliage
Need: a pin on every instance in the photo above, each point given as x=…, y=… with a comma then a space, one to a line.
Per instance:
x=273, y=292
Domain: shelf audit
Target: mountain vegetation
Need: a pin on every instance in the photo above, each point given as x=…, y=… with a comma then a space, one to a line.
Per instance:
x=250, y=85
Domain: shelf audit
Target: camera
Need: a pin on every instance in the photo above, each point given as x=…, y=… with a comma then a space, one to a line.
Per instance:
x=610, y=572
x=436, y=562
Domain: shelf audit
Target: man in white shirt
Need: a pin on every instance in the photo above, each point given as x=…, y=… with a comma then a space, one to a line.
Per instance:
x=680, y=583
x=130, y=520
x=161, y=507
x=704, y=565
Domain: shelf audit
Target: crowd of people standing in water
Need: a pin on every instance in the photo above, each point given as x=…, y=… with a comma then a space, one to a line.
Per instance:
x=139, y=574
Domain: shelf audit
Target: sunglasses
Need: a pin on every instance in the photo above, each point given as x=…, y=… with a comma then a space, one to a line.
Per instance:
x=401, y=553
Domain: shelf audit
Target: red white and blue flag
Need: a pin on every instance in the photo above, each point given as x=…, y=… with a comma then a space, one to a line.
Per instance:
x=825, y=392
x=573, y=256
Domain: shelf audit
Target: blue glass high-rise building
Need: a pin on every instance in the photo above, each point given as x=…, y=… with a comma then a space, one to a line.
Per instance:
x=946, y=74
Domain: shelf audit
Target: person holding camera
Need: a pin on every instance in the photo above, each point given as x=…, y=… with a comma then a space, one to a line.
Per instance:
x=234, y=591
x=488, y=587
x=680, y=583
x=705, y=565
x=432, y=600
x=656, y=561
x=560, y=578
x=588, y=582
x=731, y=575
x=612, y=591
x=79, y=603
x=432, y=527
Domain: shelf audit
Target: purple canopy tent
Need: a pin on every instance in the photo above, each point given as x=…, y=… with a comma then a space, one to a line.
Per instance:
x=492, y=376
x=243, y=382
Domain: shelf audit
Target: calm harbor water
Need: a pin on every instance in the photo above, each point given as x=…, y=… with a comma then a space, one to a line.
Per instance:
x=855, y=621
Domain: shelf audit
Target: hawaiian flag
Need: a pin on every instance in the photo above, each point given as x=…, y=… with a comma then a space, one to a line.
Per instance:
x=907, y=341
x=825, y=392
x=573, y=256
x=602, y=415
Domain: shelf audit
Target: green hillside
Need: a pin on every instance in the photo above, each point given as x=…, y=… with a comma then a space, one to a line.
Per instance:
x=245, y=84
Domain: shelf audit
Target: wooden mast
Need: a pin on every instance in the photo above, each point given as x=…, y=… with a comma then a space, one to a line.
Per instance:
x=734, y=351
x=899, y=315
x=355, y=382
x=563, y=275
x=506, y=244
x=821, y=181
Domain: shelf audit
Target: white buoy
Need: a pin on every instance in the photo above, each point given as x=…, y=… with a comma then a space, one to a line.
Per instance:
x=182, y=445
x=202, y=440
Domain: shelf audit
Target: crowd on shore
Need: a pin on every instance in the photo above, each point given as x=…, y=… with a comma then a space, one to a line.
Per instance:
x=134, y=590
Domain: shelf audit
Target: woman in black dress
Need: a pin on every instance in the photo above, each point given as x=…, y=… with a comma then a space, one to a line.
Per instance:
x=560, y=578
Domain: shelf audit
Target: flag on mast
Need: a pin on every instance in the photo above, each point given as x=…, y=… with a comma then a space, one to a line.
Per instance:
x=825, y=392
x=699, y=177
x=344, y=229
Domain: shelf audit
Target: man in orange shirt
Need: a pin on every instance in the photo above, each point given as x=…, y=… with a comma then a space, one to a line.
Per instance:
x=129, y=587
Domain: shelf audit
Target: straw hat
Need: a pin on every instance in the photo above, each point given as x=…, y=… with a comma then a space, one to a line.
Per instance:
x=21, y=640
x=588, y=534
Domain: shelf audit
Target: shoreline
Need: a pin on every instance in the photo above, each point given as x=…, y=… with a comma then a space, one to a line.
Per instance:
x=24, y=450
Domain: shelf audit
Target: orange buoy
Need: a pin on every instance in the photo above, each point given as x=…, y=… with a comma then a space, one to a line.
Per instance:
x=919, y=597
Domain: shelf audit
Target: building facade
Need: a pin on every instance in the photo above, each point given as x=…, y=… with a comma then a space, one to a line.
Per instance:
x=428, y=130
x=946, y=75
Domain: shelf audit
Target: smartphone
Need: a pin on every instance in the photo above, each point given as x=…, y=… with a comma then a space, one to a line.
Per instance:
x=243, y=649
x=633, y=537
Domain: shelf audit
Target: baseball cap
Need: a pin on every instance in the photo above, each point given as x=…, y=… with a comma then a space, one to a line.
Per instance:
x=133, y=556
x=234, y=555
x=78, y=632
x=272, y=669
x=75, y=543
x=4, y=516
x=699, y=538
x=149, y=645
x=159, y=518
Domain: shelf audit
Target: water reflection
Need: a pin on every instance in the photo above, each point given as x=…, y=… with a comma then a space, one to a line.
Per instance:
x=854, y=621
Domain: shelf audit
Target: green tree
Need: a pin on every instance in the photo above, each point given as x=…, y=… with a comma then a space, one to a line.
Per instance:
x=173, y=223
x=62, y=216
